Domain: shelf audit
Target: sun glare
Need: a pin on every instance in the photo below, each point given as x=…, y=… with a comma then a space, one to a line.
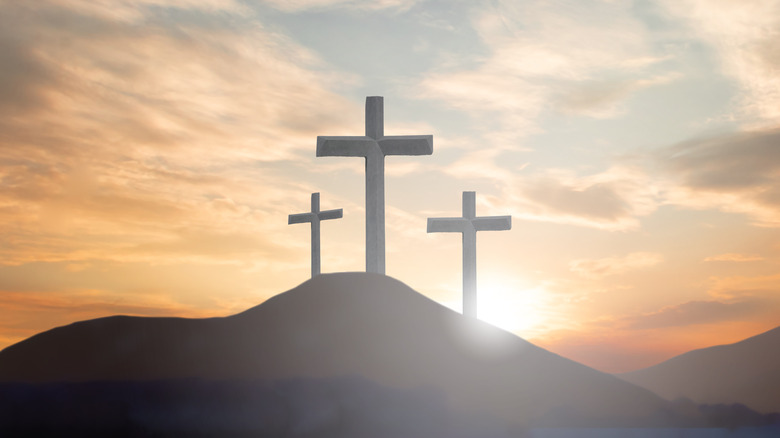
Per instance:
x=520, y=311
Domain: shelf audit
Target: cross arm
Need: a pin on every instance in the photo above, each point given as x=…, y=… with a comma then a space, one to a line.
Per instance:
x=331, y=214
x=299, y=218
x=446, y=225
x=407, y=145
x=492, y=223
x=343, y=146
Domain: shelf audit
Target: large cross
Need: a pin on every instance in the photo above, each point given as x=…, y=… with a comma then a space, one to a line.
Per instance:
x=315, y=216
x=374, y=146
x=468, y=225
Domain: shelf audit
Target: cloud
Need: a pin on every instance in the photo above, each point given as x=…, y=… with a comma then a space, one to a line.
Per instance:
x=580, y=58
x=612, y=200
x=731, y=162
x=135, y=130
x=736, y=172
x=487, y=96
x=741, y=286
x=601, y=98
x=696, y=312
x=137, y=11
x=478, y=164
x=20, y=78
x=577, y=58
x=733, y=257
x=566, y=39
x=600, y=268
x=746, y=39
x=209, y=245
x=598, y=200
x=167, y=82
x=304, y=5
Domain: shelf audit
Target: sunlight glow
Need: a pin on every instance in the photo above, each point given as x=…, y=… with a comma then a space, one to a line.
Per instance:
x=519, y=310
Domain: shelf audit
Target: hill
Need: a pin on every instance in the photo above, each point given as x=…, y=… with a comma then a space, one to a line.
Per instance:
x=340, y=325
x=746, y=372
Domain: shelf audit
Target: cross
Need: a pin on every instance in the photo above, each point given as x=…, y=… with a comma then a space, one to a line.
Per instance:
x=468, y=225
x=374, y=146
x=315, y=216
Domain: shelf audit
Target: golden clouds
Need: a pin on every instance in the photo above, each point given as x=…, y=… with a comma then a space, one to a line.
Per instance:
x=133, y=154
x=599, y=268
x=132, y=126
x=733, y=257
x=697, y=312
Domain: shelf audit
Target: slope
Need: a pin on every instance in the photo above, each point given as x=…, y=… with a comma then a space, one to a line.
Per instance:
x=746, y=372
x=335, y=325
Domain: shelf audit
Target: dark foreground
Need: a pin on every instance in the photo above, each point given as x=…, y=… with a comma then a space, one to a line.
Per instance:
x=195, y=408
x=346, y=407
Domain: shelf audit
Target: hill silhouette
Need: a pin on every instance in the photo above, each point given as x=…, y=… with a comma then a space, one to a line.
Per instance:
x=746, y=372
x=335, y=326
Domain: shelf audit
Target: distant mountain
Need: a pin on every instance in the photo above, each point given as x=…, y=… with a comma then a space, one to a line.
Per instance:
x=746, y=372
x=336, y=326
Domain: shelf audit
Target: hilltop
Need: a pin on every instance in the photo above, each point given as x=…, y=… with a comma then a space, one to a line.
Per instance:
x=343, y=326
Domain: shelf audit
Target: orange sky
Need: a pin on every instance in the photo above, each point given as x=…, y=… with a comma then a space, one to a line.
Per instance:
x=151, y=151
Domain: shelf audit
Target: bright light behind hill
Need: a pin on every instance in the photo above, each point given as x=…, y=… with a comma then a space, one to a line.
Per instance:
x=520, y=311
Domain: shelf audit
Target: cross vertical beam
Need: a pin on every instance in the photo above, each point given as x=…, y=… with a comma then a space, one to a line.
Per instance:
x=375, y=117
x=374, y=146
x=468, y=225
x=314, y=217
x=469, y=257
x=375, y=212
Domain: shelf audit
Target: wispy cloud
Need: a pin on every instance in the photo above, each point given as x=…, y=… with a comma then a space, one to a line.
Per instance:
x=302, y=5
x=600, y=268
x=736, y=172
x=132, y=133
x=746, y=39
x=738, y=287
x=696, y=312
x=611, y=200
x=505, y=105
x=576, y=57
x=734, y=257
x=604, y=99
x=582, y=59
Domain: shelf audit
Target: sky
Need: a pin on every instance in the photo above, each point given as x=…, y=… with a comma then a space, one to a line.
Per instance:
x=151, y=150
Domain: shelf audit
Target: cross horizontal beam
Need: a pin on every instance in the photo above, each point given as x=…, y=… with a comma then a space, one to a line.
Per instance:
x=492, y=223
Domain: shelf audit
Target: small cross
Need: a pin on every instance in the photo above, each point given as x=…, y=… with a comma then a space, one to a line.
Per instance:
x=468, y=225
x=315, y=216
x=374, y=146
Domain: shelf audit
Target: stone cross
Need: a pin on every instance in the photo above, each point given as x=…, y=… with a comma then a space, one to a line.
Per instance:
x=315, y=216
x=373, y=147
x=468, y=225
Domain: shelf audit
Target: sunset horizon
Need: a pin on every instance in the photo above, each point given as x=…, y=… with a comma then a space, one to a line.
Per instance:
x=151, y=153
